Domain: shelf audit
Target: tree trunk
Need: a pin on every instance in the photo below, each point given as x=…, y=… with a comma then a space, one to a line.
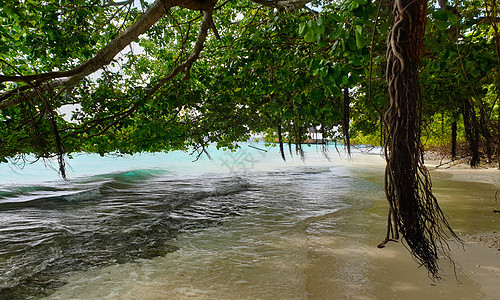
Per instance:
x=471, y=132
x=485, y=132
x=414, y=211
x=453, y=140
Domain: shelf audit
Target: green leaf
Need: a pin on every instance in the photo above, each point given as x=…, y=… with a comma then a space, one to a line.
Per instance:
x=359, y=29
x=354, y=77
x=335, y=47
x=443, y=54
x=333, y=90
x=383, y=27
x=360, y=40
x=351, y=42
x=337, y=18
x=317, y=29
x=345, y=80
x=337, y=33
x=336, y=70
x=310, y=36
x=318, y=37
x=355, y=61
x=452, y=19
x=302, y=29
x=320, y=21
x=441, y=15
x=441, y=25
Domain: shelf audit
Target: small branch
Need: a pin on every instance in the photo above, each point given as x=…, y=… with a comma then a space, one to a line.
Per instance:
x=246, y=27
x=120, y=116
x=122, y=3
x=184, y=39
x=200, y=149
x=186, y=65
x=214, y=29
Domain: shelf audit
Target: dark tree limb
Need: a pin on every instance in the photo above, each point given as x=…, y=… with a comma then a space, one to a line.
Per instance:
x=121, y=3
x=471, y=131
x=52, y=80
x=453, y=140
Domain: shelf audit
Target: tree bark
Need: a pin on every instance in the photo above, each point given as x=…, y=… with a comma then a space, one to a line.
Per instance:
x=471, y=132
x=453, y=140
x=280, y=141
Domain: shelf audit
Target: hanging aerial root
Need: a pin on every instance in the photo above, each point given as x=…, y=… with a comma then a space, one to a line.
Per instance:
x=280, y=140
x=324, y=143
x=413, y=210
x=345, y=121
x=392, y=231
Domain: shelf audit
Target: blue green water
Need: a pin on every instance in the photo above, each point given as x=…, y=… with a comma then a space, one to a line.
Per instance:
x=116, y=211
x=241, y=225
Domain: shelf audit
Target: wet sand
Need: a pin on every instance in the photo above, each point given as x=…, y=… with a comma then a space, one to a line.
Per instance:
x=391, y=273
x=481, y=259
x=467, y=196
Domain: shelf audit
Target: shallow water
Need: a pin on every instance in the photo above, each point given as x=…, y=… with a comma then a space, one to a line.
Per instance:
x=243, y=225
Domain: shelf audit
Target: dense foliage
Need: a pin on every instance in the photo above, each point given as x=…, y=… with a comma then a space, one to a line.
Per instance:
x=259, y=69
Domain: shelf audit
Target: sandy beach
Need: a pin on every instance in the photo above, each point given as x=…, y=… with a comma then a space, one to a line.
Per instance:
x=473, y=216
x=481, y=259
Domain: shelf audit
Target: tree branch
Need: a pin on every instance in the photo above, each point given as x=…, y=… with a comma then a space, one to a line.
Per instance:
x=206, y=24
x=119, y=116
x=105, y=55
x=102, y=58
x=51, y=80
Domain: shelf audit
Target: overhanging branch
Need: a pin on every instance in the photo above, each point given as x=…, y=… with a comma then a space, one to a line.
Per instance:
x=51, y=80
x=106, y=54
x=121, y=3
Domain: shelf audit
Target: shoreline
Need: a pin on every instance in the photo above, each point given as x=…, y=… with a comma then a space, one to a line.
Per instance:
x=462, y=172
x=330, y=256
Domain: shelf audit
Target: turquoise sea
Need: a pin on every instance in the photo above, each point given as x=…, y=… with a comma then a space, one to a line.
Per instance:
x=240, y=225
